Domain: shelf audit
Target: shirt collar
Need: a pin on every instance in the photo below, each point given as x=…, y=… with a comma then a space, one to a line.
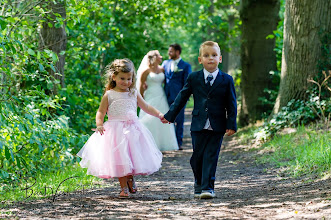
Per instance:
x=206, y=73
x=177, y=61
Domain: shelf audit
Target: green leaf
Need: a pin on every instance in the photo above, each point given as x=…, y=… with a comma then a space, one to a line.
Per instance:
x=18, y=162
x=41, y=67
x=31, y=52
x=28, y=116
x=3, y=23
x=50, y=24
x=54, y=57
x=12, y=155
x=7, y=154
x=53, y=68
x=13, y=49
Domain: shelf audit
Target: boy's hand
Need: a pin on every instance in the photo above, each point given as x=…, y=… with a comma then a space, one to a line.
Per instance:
x=163, y=120
x=229, y=132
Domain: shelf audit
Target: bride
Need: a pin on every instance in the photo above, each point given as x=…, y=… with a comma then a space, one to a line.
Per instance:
x=150, y=77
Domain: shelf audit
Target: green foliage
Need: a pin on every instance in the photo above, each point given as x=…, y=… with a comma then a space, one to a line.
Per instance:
x=41, y=122
x=304, y=152
x=28, y=143
x=35, y=136
x=296, y=112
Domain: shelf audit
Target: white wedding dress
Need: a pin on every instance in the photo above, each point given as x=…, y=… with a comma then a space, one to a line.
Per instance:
x=164, y=134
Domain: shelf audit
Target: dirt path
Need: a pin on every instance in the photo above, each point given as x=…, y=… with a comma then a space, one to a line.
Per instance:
x=244, y=191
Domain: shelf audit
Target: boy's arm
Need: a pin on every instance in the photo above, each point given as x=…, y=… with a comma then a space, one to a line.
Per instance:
x=231, y=108
x=186, y=72
x=180, y=101
x=148, y=108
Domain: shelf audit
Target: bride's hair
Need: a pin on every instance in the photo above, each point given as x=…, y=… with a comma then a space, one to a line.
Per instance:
x=151, y=55
x=119, y=65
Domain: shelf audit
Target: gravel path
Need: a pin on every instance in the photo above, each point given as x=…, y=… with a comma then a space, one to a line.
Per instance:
x=244, y=191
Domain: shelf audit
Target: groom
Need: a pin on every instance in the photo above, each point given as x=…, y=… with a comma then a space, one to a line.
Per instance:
x=176, y=72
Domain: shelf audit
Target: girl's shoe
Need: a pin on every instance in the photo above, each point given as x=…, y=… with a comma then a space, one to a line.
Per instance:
x=124, y=193
x=132, y=185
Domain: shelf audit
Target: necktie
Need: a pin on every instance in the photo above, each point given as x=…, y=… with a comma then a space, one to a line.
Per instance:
x=209, y=79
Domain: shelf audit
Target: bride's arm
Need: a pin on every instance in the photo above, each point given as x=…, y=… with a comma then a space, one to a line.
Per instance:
x=143, y=81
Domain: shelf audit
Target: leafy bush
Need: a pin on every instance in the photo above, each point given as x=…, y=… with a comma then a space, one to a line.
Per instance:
x=296, y=112
x=29, y=144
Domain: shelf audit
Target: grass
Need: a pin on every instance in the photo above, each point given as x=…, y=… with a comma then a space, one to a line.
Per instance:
x=305, y=152
x=246, y=135
x=68, y=179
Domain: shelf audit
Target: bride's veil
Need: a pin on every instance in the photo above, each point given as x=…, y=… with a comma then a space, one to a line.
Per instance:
x=142, y=67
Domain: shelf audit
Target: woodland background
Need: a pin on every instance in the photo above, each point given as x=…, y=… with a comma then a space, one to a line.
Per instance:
x=53, y=53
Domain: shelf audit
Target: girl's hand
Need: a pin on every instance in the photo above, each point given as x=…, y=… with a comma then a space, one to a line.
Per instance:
x=99, y=129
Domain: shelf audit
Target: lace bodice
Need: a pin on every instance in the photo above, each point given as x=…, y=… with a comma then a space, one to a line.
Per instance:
x=122, y=105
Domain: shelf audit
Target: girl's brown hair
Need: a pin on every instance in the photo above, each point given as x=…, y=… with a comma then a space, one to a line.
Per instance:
x=119, y=66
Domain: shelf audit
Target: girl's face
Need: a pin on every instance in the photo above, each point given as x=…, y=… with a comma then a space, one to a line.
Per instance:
x=123, y=81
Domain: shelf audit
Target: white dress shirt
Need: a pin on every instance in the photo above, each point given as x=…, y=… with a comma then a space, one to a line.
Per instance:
x=174, y=63
x=206, y=73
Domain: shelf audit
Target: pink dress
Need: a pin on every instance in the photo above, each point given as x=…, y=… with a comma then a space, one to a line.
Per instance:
x=126, y=147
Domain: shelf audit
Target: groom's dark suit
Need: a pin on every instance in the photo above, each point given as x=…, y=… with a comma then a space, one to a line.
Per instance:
x=173, y=84
x=217, y=103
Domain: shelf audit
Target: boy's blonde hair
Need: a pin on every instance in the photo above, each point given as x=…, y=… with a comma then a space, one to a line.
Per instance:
x=119, y=66
x=209, y=44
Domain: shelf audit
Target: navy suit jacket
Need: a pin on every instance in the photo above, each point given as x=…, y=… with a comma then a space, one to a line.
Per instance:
x=218, y=104
x=175, y=80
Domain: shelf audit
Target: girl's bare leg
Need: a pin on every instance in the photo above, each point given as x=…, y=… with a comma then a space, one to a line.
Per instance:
x=131, y=184
x=124, y=187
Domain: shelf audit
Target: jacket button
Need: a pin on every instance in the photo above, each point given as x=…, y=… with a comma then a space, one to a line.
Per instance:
x=206, y=109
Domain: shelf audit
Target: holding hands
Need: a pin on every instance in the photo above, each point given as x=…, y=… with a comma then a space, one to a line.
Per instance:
x=163, y=120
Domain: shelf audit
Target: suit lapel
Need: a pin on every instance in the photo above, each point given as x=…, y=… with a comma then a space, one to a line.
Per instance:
x=218, y=80
x=201, y=78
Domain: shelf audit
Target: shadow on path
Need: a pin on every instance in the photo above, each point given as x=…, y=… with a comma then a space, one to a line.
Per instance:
x=244, y=191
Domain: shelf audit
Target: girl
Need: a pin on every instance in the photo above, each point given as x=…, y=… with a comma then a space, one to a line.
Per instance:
x=122, y=146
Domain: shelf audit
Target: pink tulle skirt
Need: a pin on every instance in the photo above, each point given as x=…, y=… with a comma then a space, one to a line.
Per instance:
x=126, y=148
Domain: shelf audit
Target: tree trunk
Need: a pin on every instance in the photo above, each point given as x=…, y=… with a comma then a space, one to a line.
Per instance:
x=258, y=58
x=306, y=22
x=55, y=38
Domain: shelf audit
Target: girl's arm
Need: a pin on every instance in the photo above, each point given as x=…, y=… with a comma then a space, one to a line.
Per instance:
x=101, y=113
x=148, y=108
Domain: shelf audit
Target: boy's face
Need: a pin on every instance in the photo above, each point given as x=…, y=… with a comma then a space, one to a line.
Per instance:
x=210, y=58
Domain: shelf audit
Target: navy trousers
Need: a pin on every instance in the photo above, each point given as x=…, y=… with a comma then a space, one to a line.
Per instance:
x=206, y=148
x=179, y=127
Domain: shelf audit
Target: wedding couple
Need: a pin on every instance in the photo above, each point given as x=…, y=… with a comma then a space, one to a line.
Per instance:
x=150, y=78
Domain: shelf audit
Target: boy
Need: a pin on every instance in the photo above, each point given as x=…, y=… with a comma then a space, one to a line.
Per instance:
x=214, y=114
